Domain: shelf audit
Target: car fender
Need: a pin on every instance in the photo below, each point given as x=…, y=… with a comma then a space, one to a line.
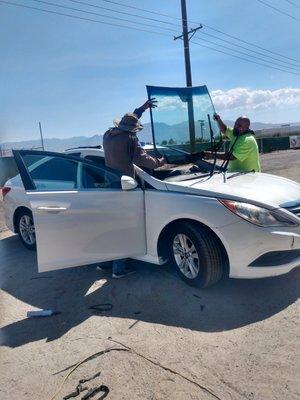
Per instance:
x=163, y=208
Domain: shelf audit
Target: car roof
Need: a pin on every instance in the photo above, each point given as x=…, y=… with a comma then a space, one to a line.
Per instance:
x=86, y=151
x=99, y=149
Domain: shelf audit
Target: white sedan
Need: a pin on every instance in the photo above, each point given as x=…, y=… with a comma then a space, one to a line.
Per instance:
x=206, y=225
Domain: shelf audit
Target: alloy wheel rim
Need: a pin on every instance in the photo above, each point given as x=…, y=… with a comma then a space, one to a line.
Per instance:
x=27, y=230
x=186, y=256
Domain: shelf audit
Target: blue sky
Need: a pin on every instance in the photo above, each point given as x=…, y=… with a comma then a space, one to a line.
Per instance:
x=77, y=76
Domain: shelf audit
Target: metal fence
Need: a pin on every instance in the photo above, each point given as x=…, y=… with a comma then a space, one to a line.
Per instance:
x=4, y=152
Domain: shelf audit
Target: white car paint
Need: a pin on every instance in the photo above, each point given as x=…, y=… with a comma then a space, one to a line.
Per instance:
x=195, y=199
x=85, y=226
x=259, y=188
x=243, y=241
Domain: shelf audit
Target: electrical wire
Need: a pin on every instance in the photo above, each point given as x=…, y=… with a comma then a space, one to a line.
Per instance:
x=246, y=54
x=143, y=30
x=176, y=25
x=292, y=3
x=49, y=3
x=241, y=58
x=278, y=10
x=148, y=25
x=205, y=25
x=81, y=18
x=122, y=12
x=250, y=44
x=246, y=48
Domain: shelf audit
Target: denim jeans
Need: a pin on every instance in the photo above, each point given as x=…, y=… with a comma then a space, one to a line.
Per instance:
x=119, y=266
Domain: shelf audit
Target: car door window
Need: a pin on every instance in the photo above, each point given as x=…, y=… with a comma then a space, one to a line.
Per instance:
x=52, y=172
x=95, y=177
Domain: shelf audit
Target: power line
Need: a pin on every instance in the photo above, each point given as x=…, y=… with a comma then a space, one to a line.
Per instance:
x=166, y=29
x=244, y=59
x=101, y=15
x=246, y=54
x=121, y=12
x=205, y=25
x=144, y=10
x=251, y=44
x=248, y=49
x=81, y=18
x=176, y=25
x=278, y=10
x=137, y=29
x=292, y=3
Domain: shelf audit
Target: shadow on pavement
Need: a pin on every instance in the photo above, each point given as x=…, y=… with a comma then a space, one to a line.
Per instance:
x=152, y=295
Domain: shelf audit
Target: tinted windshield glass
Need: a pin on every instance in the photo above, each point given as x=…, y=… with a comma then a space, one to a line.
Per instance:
x=181, y=118
x=172, y=156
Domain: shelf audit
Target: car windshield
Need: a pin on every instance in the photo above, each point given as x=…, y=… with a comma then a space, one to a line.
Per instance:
x=181, y=119
x=182, y=127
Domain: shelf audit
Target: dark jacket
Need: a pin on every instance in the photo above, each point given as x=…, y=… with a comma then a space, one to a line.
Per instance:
x=122, y=149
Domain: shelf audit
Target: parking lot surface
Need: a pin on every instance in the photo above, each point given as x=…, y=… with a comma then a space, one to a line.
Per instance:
x=165, y=340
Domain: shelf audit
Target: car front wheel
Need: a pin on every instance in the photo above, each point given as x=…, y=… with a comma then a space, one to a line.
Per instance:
x=195, y=253
x=26, y=230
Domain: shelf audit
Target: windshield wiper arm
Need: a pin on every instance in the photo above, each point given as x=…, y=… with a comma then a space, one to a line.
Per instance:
x=212, y=146
x=239, y=173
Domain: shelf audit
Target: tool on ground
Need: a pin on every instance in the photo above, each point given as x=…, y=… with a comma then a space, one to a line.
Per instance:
x=80, y=388
x=76, y=393
x=41, y=313
x=91, y=393
x=75, y=366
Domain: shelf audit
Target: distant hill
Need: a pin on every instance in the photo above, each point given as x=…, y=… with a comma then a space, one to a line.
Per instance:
x=166, y=132
x=54, y=144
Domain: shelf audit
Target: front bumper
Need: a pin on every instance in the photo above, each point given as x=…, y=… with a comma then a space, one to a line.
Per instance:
x=248, y=247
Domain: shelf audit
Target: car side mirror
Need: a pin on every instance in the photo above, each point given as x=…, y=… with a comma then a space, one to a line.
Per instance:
x=128, y=183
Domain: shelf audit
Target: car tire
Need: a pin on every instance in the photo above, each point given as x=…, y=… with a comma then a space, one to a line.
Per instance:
x=195, y=254
x=25, y=229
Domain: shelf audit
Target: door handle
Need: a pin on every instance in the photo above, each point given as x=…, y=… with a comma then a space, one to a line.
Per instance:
x=52, y=209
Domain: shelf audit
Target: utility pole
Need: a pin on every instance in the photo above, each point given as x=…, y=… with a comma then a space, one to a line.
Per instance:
x=188, y=72
x=41, y=133
x=187, y=59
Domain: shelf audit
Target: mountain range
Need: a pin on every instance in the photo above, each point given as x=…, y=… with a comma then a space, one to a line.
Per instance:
x=165, y=131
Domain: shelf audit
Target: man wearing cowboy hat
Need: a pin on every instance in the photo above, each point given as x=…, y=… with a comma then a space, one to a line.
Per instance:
x=121, y=145
x=122, y=150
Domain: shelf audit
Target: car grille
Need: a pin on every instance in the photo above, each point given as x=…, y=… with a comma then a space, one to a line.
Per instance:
x=295, y=210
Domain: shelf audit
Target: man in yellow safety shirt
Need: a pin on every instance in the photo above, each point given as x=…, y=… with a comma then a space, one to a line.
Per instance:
x=243, y=154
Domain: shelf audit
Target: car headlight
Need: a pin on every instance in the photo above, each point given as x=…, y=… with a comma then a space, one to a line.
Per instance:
x=257, y=215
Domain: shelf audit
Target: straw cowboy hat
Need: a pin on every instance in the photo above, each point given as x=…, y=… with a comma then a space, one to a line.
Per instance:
x=128, y=123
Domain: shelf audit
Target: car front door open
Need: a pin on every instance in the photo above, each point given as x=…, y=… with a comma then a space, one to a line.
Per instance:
x=81, y=214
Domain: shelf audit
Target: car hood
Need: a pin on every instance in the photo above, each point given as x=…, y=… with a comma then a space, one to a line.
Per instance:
x=258, y=188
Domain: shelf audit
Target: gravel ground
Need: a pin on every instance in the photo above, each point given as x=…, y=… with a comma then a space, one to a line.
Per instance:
x=236, y=340
x=283, y=163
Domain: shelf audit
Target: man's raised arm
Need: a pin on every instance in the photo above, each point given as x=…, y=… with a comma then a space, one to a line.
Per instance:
x=148, y=104
x=221, y=124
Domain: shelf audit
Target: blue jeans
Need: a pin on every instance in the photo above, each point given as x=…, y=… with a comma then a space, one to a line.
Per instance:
x=119, y=266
